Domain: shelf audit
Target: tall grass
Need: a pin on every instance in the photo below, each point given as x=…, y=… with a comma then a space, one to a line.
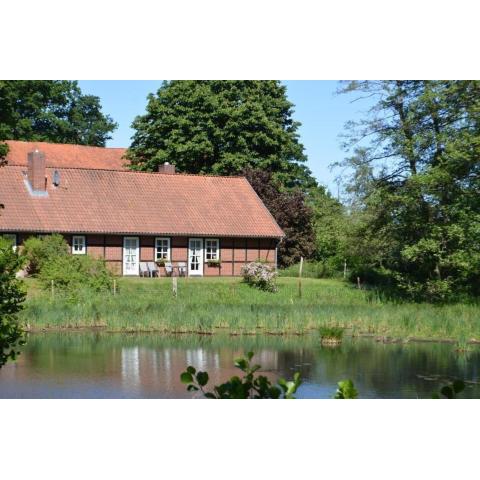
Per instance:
x=311, y=269
x=226, y=304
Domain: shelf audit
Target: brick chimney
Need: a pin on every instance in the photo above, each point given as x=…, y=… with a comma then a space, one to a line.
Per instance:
x=166, y=168
x=36, y=171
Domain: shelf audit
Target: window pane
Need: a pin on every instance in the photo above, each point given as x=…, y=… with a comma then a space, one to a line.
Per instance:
x=78, y=244
x=162, y=248
x=211, y=249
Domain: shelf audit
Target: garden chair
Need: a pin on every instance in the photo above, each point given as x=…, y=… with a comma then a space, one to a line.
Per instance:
x=153, y=269
x=182, y=269
x=168, y=269
x=144, y=269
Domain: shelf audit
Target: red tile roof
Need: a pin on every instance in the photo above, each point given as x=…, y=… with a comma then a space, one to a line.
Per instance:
x=65, y=155
x=105, y=201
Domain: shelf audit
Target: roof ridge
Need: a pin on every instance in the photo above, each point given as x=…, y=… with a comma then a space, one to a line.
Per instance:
x=65, y=144
x=176, y=174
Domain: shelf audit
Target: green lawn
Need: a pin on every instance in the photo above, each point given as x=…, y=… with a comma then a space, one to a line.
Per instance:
x=209, y=305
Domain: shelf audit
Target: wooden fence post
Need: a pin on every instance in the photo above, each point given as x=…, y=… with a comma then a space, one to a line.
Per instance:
x=345, y=269
x=174, y=286
x=300, y=278
x=114, y=286
x=359, y=285
x=52, y=289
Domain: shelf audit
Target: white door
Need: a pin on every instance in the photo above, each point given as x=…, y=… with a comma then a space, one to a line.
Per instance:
x=130, y=256
x=195, y=256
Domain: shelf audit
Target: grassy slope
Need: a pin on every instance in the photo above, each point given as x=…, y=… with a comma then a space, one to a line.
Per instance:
x=207, y=305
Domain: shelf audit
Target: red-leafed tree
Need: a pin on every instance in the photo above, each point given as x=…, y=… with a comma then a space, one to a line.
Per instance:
x=290, y=210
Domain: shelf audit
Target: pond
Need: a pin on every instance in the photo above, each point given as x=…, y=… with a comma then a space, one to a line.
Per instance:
x=102, y=365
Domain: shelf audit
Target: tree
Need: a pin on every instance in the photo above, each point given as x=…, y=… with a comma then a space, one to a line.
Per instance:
x=416, y=181
x=221, y=127
x=51, y=111
x=332, y=230
x=290, y=210
x=11, y=297
x=250, y=385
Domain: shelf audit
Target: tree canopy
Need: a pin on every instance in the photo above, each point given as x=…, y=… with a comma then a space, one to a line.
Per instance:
x=51, y=111
x=221, y=127
x=415, y=185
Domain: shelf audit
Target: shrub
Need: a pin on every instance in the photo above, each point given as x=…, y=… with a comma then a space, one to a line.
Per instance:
x=74, y=273
x=260, y=275
x=331, y=333
x=12, y=295
x=249, y=386
x=39, y=251
x=346, y=391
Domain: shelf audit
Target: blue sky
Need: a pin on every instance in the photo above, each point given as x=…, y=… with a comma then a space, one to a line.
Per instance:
x=321, y=112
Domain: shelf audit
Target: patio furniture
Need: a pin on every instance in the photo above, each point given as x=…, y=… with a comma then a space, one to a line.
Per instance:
x=168, y=269
x=182, y=269
x=144, y=272
x=152, y=267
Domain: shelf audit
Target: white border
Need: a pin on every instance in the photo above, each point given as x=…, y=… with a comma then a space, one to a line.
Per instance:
x=225, y=439
x=205, y=39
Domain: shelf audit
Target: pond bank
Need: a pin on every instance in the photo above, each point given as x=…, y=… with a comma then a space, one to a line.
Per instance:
x=208, y=305
x=226, y=332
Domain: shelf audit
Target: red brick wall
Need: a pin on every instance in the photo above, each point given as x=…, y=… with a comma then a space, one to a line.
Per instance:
x=95, y=246
x=234, y=252
x=113, y=248
x=147, y=249
x=179, y=249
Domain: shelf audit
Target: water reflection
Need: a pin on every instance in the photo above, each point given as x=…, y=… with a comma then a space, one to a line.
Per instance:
x=95, y=365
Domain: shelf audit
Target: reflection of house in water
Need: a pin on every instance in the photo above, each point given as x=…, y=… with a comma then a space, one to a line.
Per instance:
x=130, y=370
x=130, y=367
x=157, y=372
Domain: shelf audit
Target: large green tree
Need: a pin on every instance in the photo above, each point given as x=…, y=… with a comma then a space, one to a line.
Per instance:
x=221, y=127
x=416, y=183
x=51, y=111
x=332, y=225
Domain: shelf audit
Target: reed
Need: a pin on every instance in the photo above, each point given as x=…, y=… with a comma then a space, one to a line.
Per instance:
x=213, y=305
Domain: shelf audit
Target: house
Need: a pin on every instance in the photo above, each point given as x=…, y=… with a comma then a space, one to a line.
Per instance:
x=214, y=224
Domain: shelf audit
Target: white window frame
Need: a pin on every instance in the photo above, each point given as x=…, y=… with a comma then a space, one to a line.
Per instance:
x=83, y=250
x=12, y=237
x=214, y=256
x=165, y=244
